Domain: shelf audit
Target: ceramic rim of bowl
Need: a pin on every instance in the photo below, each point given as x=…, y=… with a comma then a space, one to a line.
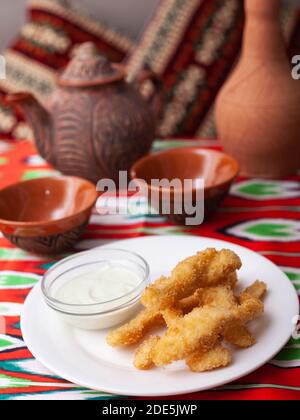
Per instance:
x=37, y=224
x=136, y=165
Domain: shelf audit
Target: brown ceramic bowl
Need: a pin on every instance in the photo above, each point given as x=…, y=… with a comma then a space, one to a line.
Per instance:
x=46, y=215
x=217, y=169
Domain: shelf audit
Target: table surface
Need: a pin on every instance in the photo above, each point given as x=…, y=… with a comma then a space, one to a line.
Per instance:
x=261, y=215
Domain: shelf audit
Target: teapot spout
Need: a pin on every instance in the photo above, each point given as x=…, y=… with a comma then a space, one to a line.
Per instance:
x=39, y=119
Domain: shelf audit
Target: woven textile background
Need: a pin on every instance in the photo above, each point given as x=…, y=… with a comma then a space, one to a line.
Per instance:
x=43, y=48
x=191, y=45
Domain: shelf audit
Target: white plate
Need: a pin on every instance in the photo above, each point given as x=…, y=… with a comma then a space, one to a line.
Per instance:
x=83, y=357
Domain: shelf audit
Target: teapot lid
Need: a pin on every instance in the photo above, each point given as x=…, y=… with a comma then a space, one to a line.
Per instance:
x=90, y=68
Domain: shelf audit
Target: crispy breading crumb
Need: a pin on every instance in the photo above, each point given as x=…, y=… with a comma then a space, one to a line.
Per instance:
x=218, y=356
x=143, y=355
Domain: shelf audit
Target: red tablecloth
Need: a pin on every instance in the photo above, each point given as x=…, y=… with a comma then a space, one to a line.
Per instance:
x=261, y=215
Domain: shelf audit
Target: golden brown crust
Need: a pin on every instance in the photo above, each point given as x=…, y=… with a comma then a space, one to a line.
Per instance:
x=187, y=304
x=257, y=290
x=143, y=355
x=207, y=268
x=202, y=327
x=216, y=357
x=198, y=305
x=132, y=332
x=238, y=335
x=171, y=315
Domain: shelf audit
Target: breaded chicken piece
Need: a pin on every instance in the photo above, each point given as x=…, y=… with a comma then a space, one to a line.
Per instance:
x=201, y=361
x=235, y=333
x=257, y=290
x=239, y=335
x=219, y=296
x=249, y=309
x=187, y=304
x=199, y=297
x=171, y=315
x=201, y=329
x=143, y=355
x=206, y=268
x=132, y=332
x=135, y=330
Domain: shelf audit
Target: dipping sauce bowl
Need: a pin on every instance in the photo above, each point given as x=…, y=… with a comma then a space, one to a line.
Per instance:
x=83, y=289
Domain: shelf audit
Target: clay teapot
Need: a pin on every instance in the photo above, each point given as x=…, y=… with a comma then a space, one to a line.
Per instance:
x=258, y=109
x=95, y=124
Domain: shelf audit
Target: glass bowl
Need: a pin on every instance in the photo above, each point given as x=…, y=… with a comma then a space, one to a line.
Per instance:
x=104, y=314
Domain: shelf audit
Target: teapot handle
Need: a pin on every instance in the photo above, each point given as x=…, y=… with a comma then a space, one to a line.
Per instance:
x=156, y=98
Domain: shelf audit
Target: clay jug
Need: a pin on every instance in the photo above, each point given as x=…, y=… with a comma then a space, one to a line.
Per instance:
x=258, y=109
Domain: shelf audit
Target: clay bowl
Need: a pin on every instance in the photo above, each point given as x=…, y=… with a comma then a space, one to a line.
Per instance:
x=46, y=215
x=217, y=170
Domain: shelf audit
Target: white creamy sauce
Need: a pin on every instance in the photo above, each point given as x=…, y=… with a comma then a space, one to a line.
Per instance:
x=109, y=282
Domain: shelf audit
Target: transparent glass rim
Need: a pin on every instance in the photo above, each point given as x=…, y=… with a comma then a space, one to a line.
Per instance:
x=70, y=308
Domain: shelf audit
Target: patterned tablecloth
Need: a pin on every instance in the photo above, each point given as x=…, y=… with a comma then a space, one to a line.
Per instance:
x=261, y=215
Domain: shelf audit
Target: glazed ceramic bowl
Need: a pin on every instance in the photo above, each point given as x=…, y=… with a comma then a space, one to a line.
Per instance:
x=46, y=215
x=216, y=169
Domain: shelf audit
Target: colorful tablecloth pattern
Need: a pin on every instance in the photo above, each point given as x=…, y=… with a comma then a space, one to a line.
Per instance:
x=261, y=215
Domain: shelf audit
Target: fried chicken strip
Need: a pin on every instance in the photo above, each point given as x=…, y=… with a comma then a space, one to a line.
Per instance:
x=187, y=304
x=201, y=361
x=201, y=330
x=207, y=268
x=171, y=315
x=257, y=290
x=143, y=356
x=237, y=333
x=135, y=330
x=132, y=332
